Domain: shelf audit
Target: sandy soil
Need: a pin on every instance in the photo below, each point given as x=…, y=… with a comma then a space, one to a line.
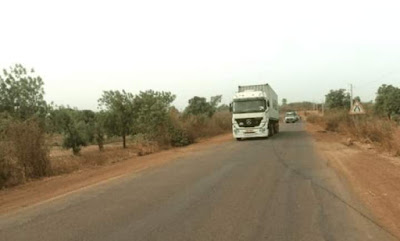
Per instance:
x=374, y=176
x=47, y=188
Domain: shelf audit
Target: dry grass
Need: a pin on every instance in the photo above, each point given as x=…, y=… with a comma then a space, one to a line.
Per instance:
x=315, y=119
x=23, y=153
x=202, y=126
x=11, y=173
x=63, y=161
x=371, y=129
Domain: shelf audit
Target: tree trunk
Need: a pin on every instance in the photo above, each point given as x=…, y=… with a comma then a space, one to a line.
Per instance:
x=101, y=146
x=124, y=140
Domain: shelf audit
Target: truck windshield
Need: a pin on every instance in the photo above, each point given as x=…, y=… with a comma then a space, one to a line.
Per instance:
x=249, y=106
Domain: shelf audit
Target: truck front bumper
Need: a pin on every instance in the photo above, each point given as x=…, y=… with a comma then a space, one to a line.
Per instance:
x=242, y=133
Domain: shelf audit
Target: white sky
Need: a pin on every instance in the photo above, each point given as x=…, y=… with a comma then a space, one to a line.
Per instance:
x=302, y=48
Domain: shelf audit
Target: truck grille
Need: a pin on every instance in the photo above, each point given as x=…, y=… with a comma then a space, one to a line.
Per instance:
x=249, y=122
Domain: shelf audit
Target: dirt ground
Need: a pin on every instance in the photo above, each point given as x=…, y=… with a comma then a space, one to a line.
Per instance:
x=52, y=187
x=374, y=176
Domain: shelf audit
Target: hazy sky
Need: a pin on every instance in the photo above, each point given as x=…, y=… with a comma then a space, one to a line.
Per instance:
x=302, y=48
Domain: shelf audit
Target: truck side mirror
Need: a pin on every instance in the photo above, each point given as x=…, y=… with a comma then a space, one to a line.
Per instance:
x=230, y=107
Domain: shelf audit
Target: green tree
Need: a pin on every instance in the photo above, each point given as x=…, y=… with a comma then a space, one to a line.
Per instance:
x=119, y=106
x=21, y=93
x=200, y=106
x=99, y=129
x=197, y=106
x=88, y=119
x=152, y=112
x=338, y=99
x=73, y=128
x=51, y=123
x=284, y=102
x=215, y=101
x=388, y=100
x=223, y=108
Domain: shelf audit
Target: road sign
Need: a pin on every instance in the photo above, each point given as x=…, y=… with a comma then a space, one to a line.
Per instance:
x=357, y=109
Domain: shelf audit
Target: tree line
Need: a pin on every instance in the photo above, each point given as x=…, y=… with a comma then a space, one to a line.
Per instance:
x=24, y=114
x=387, y=101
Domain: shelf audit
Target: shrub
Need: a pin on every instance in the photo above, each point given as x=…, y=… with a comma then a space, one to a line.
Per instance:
x=10, y=172
x=371, y=129
x=203, y=126
x=223, y=120
x=334, y=119
x=74, y=138
x=76, y=130
x=177, y=133
x=29, y=148
x=366, y=128
x=23, y=152
x=179, y=137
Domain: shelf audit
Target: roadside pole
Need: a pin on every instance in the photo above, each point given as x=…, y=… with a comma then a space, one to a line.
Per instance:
x=351, y=96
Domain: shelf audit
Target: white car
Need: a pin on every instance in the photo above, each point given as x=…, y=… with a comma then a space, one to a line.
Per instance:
x=291, y=117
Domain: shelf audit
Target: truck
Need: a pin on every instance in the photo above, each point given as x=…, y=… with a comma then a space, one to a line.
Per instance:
x=255, y=112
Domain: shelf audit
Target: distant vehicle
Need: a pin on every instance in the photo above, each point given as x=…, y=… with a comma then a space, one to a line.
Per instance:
x=291, y=117
x=255, y=112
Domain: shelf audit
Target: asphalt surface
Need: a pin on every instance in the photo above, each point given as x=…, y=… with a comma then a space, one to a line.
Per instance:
x=264, y=189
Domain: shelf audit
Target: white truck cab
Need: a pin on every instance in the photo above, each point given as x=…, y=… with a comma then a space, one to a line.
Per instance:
x=255, y=112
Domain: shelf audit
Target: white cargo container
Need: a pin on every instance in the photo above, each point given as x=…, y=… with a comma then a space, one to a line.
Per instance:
x=255, y=112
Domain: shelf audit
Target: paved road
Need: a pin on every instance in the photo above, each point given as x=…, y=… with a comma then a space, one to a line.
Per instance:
x=268, y=189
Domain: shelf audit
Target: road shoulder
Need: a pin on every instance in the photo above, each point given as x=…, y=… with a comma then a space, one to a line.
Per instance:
x=373, y=176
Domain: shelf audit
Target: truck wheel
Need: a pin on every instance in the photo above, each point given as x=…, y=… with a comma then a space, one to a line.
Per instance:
x=276, y=128
x=270, y=130
x=239, y=139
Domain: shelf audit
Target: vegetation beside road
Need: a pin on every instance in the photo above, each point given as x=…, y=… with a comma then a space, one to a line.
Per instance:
x=367, y=129
x=145, y=122
x=379, y=126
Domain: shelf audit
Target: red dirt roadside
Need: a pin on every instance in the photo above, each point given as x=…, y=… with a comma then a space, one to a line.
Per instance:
x=375, y=177
x=47, y=188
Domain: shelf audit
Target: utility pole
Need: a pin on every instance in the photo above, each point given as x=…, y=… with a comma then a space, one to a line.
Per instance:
x=351, y=96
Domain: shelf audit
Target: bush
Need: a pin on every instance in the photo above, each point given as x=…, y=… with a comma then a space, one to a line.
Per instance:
x=178, y=135
x=366, y=128
x=222, y=120
x=203, y=126
x=75, y=137
x=23, y=153
x=371, y=129
x=334, y=119
x=10, y=172
x=29, y=147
